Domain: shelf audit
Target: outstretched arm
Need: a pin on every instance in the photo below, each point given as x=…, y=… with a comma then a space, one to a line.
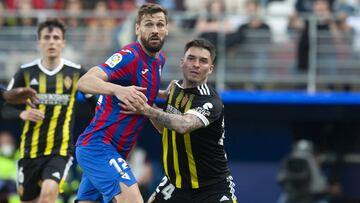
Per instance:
x=179, y=123
x=95, y=82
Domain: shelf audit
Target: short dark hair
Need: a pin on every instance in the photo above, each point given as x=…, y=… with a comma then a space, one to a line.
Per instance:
x=202, y=43
x=150, y=8
x=51, y=24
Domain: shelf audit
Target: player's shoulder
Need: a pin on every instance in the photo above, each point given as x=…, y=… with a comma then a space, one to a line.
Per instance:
x=123, y=56
x=71, y=64
x=206, y=90
x=127, y=52
x=132, y=49
x=30, y=64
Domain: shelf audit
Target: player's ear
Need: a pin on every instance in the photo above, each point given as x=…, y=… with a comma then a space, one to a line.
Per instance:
x=211, y=69
x=137, y=27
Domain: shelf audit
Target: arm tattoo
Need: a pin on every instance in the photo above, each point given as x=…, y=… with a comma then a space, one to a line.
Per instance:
x=179, y=123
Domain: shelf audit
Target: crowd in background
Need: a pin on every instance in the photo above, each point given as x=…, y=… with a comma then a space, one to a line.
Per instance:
x=250, y=29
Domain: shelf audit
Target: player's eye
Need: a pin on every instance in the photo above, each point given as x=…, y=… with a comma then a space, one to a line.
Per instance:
x=203, y=60
x=161, y=25
x=191, y=58
x=149, y=24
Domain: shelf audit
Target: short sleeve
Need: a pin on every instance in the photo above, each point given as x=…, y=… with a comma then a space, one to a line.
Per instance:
x=119, y=64
x=207, y=108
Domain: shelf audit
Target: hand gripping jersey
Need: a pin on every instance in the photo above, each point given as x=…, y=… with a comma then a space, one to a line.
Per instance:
x=129, y=66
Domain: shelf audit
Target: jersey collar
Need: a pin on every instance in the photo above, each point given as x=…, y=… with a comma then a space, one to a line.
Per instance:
x=50, y=72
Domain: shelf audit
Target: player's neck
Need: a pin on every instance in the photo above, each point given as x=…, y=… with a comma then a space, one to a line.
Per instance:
x=151, y=54
x=190, y=84
x=51, y=63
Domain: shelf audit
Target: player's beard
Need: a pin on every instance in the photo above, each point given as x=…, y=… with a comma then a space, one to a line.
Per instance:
x=152, y=48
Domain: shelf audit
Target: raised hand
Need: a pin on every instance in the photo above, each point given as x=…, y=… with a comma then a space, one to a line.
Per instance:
x=163, y=94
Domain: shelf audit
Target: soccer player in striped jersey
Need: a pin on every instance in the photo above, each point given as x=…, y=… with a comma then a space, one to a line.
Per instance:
x=192, y=127
x=46, y=148
x=129, y=76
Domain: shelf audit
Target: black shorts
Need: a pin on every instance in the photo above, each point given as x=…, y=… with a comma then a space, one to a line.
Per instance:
x=31, y=173
x=222, y=192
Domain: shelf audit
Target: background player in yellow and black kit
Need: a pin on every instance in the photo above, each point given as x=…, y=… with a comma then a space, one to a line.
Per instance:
x=46, y=146
x=192, y=126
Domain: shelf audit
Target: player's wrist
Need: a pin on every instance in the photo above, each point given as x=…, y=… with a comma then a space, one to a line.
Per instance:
x=147, y=111
x=23, y=116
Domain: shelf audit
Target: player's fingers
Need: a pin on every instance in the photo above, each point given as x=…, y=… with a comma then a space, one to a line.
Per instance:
x=128, y=106
x=31, y=91
x=142, y=96
x=37, y=113
x=138, y=99
x=34, y=118
x=138, y=105
x=126, y=102
x=141, y=89
x=35, y=99
x=30, y=103
x=128, y=112
x=123, y=107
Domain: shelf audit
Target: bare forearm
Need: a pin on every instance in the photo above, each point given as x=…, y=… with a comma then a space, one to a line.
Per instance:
x=159, y=127
x=94, y=85
x=179, y=123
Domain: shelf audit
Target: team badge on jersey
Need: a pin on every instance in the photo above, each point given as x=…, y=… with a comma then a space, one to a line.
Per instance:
x=113, y=60
x=67, y=82
x=184, y=100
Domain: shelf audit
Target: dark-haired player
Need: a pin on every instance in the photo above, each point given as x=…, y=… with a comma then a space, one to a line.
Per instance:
x=46, y=151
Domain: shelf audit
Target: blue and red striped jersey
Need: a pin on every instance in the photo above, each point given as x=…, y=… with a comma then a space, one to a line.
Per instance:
x=129, y=66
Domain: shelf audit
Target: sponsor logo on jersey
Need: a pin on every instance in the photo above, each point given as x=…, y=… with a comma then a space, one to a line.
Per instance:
x=171, y=109
x=54, y=99
x=114, y=60
x=202, y=111
x=208, y=106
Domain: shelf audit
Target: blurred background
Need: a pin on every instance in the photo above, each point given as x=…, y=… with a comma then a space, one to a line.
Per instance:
x=287, y=71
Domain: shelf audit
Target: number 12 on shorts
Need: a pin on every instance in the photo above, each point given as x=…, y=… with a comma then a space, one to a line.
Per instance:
x=120, y=165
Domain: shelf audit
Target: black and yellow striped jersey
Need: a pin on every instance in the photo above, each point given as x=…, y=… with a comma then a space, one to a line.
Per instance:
x=198, y=158
x=57, y=94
